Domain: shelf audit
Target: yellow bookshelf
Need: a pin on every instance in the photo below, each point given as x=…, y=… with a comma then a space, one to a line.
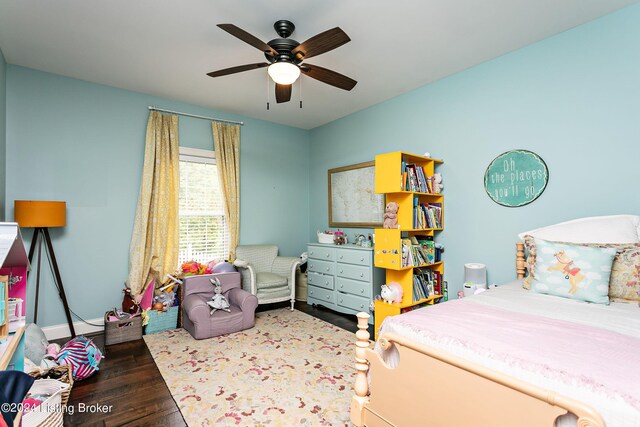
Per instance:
x=388, y=245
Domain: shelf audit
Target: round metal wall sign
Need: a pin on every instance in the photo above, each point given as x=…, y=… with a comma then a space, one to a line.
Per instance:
x=516, y=178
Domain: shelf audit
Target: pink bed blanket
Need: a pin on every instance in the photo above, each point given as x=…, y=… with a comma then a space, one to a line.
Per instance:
x=575, y=354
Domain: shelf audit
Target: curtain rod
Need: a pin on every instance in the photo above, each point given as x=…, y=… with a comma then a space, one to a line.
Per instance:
x=213, y=119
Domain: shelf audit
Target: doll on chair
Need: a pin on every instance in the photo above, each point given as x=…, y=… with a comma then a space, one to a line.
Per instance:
x=218, y=301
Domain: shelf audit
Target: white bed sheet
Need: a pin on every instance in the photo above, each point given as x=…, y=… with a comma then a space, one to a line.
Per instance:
x=620, y=317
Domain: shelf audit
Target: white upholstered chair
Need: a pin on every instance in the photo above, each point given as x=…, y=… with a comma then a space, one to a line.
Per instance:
x=266, y=275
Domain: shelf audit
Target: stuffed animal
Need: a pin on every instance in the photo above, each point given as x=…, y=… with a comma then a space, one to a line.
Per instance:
x=218, y=301
x=129, y=305
x=392, y=292
x=391, y=215
x=437, y=183
x=83, y=356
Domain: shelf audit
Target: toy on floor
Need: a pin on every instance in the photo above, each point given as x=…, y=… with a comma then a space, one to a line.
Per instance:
x=391, y=292
x=83, y=356
x=218, y=301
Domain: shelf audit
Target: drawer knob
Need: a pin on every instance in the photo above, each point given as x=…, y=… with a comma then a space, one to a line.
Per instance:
x=362, y=291
x=311, y=292
x=327, y=296
x=361, y=305
x=340, y=299
x=361, y=274
x=340, y=271
x=341, y=256
x=311, y=253
x=326, y=283
x=362, y=259
x=327, y=268
x=341, y=286
x=327, y=255
x=310, y=265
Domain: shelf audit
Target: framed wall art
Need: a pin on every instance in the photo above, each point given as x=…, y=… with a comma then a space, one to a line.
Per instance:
x=352, y=198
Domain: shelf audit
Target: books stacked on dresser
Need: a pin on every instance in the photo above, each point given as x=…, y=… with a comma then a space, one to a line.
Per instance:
x=414, y=179
x=426, y=215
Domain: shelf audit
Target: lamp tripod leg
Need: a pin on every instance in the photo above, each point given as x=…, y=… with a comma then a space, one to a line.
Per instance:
x=37, y=241
x=58, y=279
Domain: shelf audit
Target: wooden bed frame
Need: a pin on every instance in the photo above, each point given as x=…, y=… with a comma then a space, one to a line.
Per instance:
x=432, y=387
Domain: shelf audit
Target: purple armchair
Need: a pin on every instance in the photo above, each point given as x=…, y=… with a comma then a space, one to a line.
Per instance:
x=196, y=319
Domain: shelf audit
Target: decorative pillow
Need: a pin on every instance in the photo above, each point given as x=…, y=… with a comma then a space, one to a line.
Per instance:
x=624, y=283
x=573, y=271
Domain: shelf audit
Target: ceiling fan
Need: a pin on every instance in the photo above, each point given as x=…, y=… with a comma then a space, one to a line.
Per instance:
x=285, y=57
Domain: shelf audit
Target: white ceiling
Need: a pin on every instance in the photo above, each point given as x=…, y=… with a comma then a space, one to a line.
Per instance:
x=164, y=47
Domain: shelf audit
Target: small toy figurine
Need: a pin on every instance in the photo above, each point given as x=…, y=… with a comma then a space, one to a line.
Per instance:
x=218, y=301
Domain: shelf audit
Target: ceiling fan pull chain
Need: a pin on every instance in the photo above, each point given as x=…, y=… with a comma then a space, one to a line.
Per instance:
x=300, y=90
x=267, y=92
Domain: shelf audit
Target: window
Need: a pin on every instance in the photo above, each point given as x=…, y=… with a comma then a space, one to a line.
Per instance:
x=204, y=234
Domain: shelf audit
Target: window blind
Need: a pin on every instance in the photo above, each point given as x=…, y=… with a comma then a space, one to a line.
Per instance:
x=204, y=234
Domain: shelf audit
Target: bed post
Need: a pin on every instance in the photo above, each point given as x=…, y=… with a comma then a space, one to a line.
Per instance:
x=361, y=386
x=520, y=263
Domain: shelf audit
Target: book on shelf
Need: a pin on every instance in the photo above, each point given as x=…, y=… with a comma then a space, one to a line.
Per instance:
x=428, y=247
x=426, y=215
x=424, y=283
x=414, y=179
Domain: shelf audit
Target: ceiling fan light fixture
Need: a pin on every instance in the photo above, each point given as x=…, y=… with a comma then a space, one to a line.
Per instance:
x=283, y=73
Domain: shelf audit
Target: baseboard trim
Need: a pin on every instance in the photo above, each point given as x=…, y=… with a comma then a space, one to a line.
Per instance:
x=55, y=332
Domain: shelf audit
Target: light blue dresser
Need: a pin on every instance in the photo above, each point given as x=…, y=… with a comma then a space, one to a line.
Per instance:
x=342, y=278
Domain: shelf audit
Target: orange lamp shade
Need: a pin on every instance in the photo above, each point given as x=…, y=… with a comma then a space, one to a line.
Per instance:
x=38, y=213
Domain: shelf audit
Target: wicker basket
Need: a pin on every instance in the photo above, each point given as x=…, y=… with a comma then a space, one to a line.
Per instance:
x=62, y=374
x=123, y=330
x=163, y=320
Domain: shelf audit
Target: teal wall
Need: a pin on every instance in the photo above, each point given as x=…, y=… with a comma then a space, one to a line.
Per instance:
x=574, y=99
x=3, y=132
x=84, y=143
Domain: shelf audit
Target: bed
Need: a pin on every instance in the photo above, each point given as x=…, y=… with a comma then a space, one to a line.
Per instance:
x=508, y=356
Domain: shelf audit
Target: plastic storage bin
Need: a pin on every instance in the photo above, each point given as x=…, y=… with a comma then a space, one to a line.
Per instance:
x=163, y=320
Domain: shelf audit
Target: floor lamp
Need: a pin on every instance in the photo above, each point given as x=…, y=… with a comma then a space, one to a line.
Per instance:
x=41, y=215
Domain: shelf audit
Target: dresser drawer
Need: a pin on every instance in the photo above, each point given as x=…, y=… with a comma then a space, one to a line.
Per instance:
x=353, y=257
x=321, y=280
x=324, y=267
x=354, y=272
x=353, y=302
x=318, y=252
x=321, y=294
x=354, y=287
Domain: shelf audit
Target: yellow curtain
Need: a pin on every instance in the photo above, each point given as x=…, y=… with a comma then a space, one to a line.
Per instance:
x=226, y=142
x=154, y=244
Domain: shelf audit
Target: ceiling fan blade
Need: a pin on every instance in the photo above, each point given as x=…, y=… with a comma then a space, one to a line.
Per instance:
x=237, y=69
x=248, y=38
x=327, y=76
x=283, y=93
x=321, y=43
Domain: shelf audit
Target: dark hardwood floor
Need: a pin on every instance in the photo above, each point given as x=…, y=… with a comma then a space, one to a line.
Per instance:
x=128, y=390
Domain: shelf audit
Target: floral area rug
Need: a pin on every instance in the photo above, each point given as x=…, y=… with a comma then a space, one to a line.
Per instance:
x=291, y=369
